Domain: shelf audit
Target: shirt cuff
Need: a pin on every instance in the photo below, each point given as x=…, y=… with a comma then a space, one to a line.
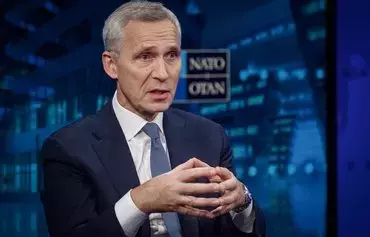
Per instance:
x=129, y=216
x=244, y=220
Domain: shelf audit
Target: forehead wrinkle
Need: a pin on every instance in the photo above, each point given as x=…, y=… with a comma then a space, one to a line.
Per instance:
x=139, y=32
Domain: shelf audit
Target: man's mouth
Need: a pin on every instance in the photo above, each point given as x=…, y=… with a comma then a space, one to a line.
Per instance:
x=158, y=91
x=159, y=94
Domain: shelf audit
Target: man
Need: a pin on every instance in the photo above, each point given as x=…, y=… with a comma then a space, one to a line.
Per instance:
x=127, y=171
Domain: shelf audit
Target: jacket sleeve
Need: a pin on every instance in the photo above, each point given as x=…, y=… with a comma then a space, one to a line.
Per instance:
x=224, y=222
x=68, y=197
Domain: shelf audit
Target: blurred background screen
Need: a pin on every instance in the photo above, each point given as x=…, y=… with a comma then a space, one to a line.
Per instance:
x=273, y=106
x=353, y=133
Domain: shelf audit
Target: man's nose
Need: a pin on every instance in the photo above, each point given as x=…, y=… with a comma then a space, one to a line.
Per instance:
x=160, y=70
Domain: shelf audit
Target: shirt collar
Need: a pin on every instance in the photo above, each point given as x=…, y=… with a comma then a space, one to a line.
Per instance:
x=130, y=122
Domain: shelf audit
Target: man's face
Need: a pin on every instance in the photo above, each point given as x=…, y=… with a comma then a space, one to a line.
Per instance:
x=148, y=66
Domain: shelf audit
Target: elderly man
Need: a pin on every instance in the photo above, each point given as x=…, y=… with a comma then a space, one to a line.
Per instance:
x=137, y=167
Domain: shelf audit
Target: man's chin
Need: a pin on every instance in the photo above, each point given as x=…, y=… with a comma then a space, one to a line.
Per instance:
x=158, y=106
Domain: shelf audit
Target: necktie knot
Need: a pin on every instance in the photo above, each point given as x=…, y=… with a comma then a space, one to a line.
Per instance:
x=152, y=130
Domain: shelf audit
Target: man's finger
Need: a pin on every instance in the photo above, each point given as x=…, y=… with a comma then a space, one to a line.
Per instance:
x=198, y=202
x=224, y=173
x=228, y=198
x=199, y=163
x=192, y=163
x=195, y=173
x=215, y=179
x=217, y=209
x=199, y=188
x=191, y=211
x=222, y=210
x=187, y=165
x=229, y=184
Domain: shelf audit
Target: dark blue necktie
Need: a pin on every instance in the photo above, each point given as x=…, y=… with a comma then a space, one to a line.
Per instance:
x=159, y=164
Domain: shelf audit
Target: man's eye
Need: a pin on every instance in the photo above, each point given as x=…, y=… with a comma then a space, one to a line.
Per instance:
x=145, y=57
x=172, y=55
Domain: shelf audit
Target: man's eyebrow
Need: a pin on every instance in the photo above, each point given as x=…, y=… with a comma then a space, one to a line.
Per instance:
x=144, y=49
x=174, y=48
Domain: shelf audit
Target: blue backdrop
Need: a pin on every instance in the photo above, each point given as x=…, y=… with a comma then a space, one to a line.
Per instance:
x=353, y=83
x=51, y=74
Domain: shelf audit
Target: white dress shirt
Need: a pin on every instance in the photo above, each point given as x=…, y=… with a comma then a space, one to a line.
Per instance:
x=128, y=215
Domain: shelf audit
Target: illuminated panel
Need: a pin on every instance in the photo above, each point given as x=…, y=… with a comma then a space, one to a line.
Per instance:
x=313, y=7
x=250, y=130
x=316, y=33
x=76, y=113
x=283, y=127
x=237, y=90
x=99, y=102
x=256, y=100
x=34, y=181
x=265, y=35
x=51, y=114
x=241, y=151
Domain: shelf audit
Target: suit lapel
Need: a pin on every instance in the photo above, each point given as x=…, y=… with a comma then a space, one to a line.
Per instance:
x=176, y=137
x=178, y=144
x=113, y=151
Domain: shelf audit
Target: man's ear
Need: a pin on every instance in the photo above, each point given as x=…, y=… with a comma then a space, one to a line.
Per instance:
x=109, y=64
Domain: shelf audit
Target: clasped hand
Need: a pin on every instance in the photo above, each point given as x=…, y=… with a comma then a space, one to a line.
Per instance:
x=176, y=191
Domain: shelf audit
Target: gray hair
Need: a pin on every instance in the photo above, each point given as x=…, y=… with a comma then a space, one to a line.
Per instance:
x=134, y=10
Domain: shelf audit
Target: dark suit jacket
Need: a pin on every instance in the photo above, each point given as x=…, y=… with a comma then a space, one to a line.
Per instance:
x=88, y=167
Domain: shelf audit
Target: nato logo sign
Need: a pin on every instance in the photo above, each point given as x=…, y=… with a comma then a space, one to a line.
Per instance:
x=204, y=77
